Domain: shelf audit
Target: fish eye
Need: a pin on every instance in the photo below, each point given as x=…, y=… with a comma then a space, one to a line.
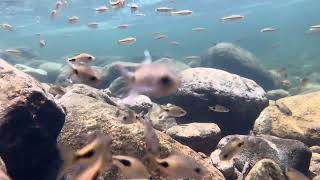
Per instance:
x=165, y=80
x=225, y=156
x=125, y=118
x=90, y=57
x=240, y=144
x=76, y=71
x=125, y=162
x=167, y=110
x=93, y=78
x=72, y=60
x=164, y=164
x=197, y=170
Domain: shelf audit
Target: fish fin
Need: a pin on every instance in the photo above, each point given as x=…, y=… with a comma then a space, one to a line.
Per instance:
x=147, y=57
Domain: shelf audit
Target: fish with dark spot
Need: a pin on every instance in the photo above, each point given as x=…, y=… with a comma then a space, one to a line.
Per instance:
x=234, y=146
x=283, y=108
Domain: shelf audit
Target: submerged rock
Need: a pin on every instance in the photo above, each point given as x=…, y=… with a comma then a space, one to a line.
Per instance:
x=30, y=122
x=231, y=58
x=201, y=137
x=265, y=169
x=303, y=124
x=88, y=114
x=205, y=87
x=284, y=152
x=53, y=69
x=315, y=164
x=39, y=74
x=176, y=65
x=277, y=94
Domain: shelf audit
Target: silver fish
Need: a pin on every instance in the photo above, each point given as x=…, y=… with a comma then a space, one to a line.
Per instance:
x=218, y=108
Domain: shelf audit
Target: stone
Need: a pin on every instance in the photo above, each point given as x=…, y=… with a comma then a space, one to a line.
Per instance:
x=302, y=125
x=315, y=164
x=277, y=94
x=39, y=74
x=30, y=122
x=284, y=152
x=265, y=169
x=159, y=121
x=201, y=137
x=232, y=58
x=178, y=66
x=53, y=69
x=204, y=87
x=88, y=114
x=140, y=104
x=118, y=87
x=315, y=149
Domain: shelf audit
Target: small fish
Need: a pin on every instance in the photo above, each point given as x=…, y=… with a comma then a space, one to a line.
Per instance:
x=123, y=26
x=85, y=74
x=315, y=26
x=42, y=43
x=180, y=167
x=198, y=29
x=58, y=5
x=150, y=79
x=140, y=14
x=173, y=110
x=117, y=2
x=175, y=43
x=13, y=52
x=7, y=27
x=57, y=90
x=164, y=9
x=231, y=148
x=314, y=30
x=193, y=57
x=218, y=108
x=134, y=7
x=127, y=41
x=82, y=58
x=130, y=167
x=160, y=36
x=283, y=108
x=232, y=18
x=181, y=13
x=102, y=9
x=151, y=138
x=268, y=29
x=293, y=174
x=53, y=14
x=93, y=25
x=73, y=19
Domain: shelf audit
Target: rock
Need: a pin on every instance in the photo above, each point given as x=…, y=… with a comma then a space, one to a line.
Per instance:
x=231, y=58
x=160, y=122
x=316, y=178
x=204, y=87
x=201, y=137
x=315, y=164
x=30, y=122
x=140, y=104
x=87, y=114
x=303, y=124
x=265, y=169
x=53, y=69
x=176, y=65
x=277, y=94
x=315, y=149
x=39, y=74
x=284, y=152
x=118, y=87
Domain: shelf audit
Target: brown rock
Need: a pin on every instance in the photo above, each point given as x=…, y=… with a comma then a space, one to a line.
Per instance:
x=315, y=164
x=302, y=125
x=265, y=169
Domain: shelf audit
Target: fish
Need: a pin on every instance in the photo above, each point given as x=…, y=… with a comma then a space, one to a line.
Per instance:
x=293, y=174
x=180, y=167
x=140, y=14
x=53, y=14
x=73, y=19
x=150, y=79
x=127, y=41
x=123, y=26
x=134, y=7
x=85, y=74
x=151, y=138
x=173, y=110
x=82, y=58
x=130, y=167
x=164, y=9
x=7, y=27
x=218, y=108
x=175, y=43
x=181, y=13
x=268, y=29
x=117, y=3
x=234, y=146
x=42, y=43
x=283, y=108
x=315, y=26
x=13, y=52
x=232, y=18
x=58, y=5
x=160, y=36
x=102, y=9
x=95, y=156
x=198, y=29
x=193, y=57
x=93, y=25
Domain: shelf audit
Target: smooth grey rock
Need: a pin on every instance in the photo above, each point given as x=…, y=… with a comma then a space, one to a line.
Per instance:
x=231, y=58
x=277, y=94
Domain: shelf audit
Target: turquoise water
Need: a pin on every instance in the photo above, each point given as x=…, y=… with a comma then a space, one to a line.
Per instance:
x=291, y=17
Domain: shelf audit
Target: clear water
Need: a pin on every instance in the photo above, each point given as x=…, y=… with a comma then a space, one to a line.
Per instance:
x=291, y=17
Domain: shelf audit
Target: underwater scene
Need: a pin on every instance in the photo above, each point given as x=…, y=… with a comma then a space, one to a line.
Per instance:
x=159, y=89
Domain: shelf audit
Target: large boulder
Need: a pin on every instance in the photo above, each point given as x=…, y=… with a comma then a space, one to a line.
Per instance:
x=30, y=122
x=231, y=58
x=205, y=87
x=265, y=169
x=201, y=137
x=284, y=152
x=303, y=124
x=87, y=114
